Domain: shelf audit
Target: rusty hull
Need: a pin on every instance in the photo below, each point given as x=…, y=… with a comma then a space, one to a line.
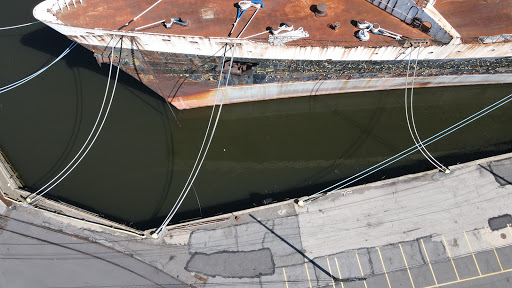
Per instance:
x=182, y=69
x=190, y=81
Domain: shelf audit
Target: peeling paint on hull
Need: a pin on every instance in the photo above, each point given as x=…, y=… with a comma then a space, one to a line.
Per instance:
x=240, y=94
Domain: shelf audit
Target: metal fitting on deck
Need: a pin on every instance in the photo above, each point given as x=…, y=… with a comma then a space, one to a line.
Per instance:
x=335, y=26
x=321, y=10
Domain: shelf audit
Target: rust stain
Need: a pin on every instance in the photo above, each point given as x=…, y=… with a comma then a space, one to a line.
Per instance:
x=213, y=18
x=4, y=200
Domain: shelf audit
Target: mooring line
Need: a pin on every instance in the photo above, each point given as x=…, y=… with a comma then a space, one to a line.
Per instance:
x=195, y=170
x=412, y=149
x=19, y=26
x=417, y=140
x=26, y=79
x=433, y=160
x=29, y=198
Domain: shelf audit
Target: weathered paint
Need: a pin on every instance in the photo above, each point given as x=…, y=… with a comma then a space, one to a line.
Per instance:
x=184, y=68
x=250, y=93
x=207, y=46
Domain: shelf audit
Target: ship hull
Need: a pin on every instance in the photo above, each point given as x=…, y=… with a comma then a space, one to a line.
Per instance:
x=190, y=81
x=185, y=69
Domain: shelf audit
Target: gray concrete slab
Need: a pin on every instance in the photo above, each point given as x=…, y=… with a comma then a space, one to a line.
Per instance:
x=277, y=279
x=400, y=278
x=38, y=257
x=422, y=276
x=393, y=212
x=377, y=281
x=434, y=249
x=505, y=254
x=413, y=253
x=285, y=253
x=392, y=257
x=487, y=262
x=444, y=272
x=501, y=280
x=250, y=236
x=220, y=282
x=211, y=241
x=297, y=275
x=501, y=171
x=466, y=267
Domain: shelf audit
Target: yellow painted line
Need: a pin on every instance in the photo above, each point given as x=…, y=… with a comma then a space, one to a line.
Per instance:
x=406, y=266
x=509, y=231
x=471, y=278
x=384, y=267
x=329, y=265
x=451, y=259
x=474, y=258
x=361, y=269
x=285, y=280
x=492, y=244
x=339, y=273
x=309, y=279
x=429, y=264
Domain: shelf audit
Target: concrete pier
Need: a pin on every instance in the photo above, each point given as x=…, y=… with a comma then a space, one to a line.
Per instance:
x=424, y=230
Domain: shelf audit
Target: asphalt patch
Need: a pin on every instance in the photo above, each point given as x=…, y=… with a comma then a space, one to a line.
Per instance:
x=232, y=264
x=500, y=222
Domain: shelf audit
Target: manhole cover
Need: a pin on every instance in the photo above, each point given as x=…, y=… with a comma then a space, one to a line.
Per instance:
x=503, y=236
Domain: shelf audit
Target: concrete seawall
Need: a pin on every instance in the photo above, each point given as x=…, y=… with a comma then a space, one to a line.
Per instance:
x=12, y=190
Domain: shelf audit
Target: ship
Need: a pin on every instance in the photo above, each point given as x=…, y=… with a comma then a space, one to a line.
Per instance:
x=197, y=53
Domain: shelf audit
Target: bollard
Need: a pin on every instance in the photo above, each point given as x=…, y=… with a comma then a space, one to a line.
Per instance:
x=321, y=10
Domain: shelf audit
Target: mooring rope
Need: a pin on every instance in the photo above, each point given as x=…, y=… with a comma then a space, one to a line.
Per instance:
x=195, y=171
x=411, y=150
x=420, y=148
x=90, y=134
x=438, y=164
x=26, y=79
x=18, y=26
x=138, y=16
x=42, y=190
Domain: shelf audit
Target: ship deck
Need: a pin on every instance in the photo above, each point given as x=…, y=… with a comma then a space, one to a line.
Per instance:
x=214, y=18
x=477, y=17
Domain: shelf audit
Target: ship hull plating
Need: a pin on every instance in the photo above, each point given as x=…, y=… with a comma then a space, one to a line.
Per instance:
x=190, y=81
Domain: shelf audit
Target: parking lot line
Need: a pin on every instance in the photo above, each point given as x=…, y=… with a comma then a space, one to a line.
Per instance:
x=429, y=264
x=307, y=272
x=406, y=266
x=339, y=272
x=361, y=269
x=285, y=280
x=492, y=244
x=470, y=278
x=509, y=231
x=384, y=267
x=450, y=255
x=329, y=265
x=474, y=258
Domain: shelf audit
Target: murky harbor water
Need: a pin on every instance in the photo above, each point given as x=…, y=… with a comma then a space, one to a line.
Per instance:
x=274, y=149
